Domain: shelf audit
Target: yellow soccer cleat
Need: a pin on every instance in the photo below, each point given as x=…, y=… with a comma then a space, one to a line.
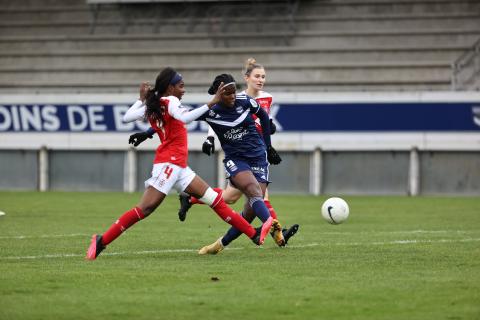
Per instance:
x=213, y=248
x=277, y=234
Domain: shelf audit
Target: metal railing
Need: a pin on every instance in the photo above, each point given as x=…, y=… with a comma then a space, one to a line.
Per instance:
x=466, y=70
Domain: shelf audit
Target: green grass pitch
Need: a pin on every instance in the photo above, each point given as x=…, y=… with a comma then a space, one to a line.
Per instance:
x=395, y=258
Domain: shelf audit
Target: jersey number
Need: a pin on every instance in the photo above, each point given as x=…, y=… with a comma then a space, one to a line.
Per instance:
x=168, y=171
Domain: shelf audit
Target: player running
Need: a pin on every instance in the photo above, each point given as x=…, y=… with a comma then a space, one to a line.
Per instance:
x=254, y=75
x=161, y=107
x=246, y=151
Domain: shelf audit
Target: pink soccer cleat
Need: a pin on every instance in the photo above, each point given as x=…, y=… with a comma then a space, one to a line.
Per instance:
x=96, y=246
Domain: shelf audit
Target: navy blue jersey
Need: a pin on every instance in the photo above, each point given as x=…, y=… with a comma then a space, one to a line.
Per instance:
x=235, y=128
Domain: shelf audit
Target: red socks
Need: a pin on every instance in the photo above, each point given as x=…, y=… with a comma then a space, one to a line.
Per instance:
x=127, y=220
x=273, y=214
x=228, y=215
x=194, y=200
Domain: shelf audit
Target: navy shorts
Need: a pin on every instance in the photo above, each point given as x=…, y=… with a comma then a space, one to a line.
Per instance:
x=258, y=167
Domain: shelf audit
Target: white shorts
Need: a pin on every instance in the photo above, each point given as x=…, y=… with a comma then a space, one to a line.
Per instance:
x=166, y=176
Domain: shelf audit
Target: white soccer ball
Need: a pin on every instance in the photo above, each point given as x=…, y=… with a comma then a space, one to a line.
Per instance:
x=335, y=210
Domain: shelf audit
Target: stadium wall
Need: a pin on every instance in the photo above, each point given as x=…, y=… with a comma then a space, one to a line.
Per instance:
x=421, y=143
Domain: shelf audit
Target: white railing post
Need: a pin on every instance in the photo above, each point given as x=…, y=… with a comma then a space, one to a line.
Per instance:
x=316, y=172
x=43, y=169
x=130, y=171
x=414, y=173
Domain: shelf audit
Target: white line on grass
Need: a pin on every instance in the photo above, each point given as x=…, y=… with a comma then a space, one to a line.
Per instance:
x=71, y=235
x=403, y=232
x=382, y=243
x=395, y=242
x=42, y=236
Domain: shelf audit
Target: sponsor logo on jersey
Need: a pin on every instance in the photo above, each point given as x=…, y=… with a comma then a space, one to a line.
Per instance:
x=258, y=170
x=235, y=134
x=239, y=110
x=211, y=113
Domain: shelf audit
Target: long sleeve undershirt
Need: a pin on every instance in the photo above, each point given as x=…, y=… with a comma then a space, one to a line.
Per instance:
x=137, y=111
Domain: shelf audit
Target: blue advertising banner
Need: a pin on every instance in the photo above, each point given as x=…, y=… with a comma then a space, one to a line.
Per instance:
x=380, y=117
x=288, y=117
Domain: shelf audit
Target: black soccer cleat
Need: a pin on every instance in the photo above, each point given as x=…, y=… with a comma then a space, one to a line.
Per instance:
x=256, y=237
x=185, y=205
x=96, y=246
x=290, y=232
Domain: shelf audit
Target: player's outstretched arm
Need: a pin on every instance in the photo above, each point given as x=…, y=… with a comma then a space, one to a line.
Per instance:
x=175, y=110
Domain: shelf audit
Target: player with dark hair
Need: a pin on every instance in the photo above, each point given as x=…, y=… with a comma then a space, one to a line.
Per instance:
x=246, y=151
x=254, y=76
x=161, y=107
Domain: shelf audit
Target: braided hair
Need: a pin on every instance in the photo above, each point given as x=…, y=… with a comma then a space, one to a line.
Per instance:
x=154, y=110
x=224, y=77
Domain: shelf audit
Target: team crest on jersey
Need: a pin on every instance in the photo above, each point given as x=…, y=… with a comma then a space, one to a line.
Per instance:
x=239, y=110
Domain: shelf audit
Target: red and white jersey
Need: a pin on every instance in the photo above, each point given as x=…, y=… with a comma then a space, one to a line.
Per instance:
x=172, y=133
x=265, y=101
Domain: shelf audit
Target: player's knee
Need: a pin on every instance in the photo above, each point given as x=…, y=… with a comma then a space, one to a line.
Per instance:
x=253, y=190
x=230, y=198
x=209, y=196
x=231, y=195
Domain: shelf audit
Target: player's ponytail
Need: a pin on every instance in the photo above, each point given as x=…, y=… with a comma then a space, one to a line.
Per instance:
x=250, y=65
x=154, y=110
x=152, y=102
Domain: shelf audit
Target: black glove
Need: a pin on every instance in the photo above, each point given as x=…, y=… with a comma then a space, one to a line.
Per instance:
x=208, y=146
x=273, y=127
x=139, y=137
x=272, y=156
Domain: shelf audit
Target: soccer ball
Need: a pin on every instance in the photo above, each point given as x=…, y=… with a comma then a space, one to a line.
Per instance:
x=335, y=210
